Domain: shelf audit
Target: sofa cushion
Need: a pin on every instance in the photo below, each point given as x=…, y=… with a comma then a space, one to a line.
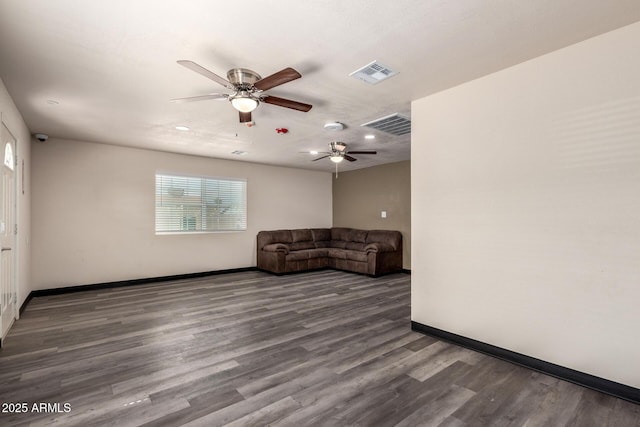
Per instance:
x=340, y=244
x=357, y=256
x=306, y=254
x=317, y=253
x=321, y=234
x=279, y=236
x=359, y=236
x=347, y=254
x=340, y=233
x=297, y=256
x=322, y=244
x=302, y=235
x=354, y=246
x=337, y=253
x=297, y=246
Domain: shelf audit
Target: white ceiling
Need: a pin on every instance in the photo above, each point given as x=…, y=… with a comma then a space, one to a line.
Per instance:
x=111, y=65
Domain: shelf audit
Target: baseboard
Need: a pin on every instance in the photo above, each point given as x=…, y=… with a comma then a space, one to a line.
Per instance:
x=406, y=271
x=586, y=380
x=25, y=302
x=132, y=282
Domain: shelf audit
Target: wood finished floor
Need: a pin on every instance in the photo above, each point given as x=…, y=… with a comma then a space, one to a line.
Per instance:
x=324, y=348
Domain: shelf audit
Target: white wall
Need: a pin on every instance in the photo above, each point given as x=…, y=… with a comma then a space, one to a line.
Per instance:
x=526, y=208
x=16, y=125
x=94, y=213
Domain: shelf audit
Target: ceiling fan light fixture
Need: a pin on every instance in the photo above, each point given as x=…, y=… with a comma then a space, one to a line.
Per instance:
x=244, y=102
x=336, y=159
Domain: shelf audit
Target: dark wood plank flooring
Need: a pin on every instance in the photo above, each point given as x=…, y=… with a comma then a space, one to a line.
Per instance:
x=324, y=348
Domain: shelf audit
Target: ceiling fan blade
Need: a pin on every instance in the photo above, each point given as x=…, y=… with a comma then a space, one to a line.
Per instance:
x=319, y=158
x=348, y=157
x=245, y=117
x=276, y=79
x=363, y=152
x=208, y=74
x=287, y=103
x=201, y=97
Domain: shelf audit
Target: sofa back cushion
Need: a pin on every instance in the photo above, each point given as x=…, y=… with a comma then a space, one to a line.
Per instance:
x=390, y=237
x=355, y=246
x=358, y=236
x=321, y=234
x=348, y=238
x=338, y=244
x=301, y=239
x=297, y=246
x=301, y=235
x=340, y=233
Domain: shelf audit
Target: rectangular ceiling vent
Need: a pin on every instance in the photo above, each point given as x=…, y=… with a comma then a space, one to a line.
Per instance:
x=373, y=73
x=395, y=124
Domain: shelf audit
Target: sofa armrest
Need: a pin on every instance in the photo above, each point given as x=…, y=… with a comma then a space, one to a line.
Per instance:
x=276, y=247
x=378, y=248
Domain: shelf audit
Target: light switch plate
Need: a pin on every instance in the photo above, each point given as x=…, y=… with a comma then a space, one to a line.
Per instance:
x=383, y=214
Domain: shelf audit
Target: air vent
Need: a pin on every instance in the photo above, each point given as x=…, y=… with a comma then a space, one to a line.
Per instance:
x=373, y=73
x=239, y=153
x=395, y=124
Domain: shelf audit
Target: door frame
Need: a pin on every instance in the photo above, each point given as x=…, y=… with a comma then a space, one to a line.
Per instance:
x=14, y=229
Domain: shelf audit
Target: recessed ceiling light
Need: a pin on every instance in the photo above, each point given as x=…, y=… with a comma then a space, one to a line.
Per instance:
x=313, y=152
x=183, y=128
x=369, y=137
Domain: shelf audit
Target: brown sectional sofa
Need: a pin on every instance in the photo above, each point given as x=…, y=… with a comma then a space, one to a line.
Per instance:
x=372, y=252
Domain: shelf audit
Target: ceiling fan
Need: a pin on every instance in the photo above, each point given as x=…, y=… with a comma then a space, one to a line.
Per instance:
x=339, y=152
x=247, y=87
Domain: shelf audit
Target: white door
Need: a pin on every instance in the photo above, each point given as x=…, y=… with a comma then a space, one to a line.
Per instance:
x=7, y=233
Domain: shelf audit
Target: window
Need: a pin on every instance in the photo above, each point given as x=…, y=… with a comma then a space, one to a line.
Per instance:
x=8, y=156
x=196, y=203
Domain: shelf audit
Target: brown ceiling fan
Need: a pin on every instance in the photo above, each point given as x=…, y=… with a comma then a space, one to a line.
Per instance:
x=339, y=152
x=247, y=87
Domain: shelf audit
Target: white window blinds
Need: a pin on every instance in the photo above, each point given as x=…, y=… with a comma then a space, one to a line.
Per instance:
x=197, y=203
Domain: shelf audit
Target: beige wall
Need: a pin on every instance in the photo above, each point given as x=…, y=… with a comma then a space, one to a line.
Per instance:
x=94, y=213
x=359, y=196
x=526, y=208
x=16, y=125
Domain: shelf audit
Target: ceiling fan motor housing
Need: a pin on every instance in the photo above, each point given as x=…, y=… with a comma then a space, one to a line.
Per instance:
x=243, y=77
x=338, y=146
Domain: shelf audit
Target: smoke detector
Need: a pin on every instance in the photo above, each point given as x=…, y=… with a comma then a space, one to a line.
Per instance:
x=334, y=126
